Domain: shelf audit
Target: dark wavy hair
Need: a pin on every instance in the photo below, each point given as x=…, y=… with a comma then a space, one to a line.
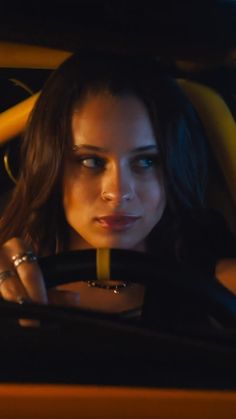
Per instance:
x=35, y=211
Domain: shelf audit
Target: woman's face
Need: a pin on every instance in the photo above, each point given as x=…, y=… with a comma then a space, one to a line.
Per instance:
x=113, y=193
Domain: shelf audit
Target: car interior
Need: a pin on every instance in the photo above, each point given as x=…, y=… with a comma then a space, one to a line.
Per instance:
x=85, y=364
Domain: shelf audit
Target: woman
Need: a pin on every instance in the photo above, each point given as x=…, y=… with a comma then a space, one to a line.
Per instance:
x=114, y=156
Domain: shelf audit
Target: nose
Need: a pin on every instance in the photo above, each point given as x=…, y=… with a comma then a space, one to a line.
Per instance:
x=117, y=186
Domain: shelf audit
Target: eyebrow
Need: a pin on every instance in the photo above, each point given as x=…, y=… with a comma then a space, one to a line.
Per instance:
x=104, y=150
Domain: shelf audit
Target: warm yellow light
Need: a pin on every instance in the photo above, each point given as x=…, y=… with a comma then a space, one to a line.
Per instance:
x=13, y=55
x=13, y=120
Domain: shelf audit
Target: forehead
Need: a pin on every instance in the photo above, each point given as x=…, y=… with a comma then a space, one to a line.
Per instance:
x=107, y=120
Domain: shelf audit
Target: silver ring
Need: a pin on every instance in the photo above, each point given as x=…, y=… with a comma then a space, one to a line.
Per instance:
x=6, y=274
x=24, y=257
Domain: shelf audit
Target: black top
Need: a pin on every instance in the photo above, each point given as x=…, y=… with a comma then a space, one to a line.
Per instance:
x=187, y=293
x=196, y=239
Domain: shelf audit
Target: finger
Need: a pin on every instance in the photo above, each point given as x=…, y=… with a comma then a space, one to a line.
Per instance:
x=65, y=298
x=29, y=272
x=11, y=288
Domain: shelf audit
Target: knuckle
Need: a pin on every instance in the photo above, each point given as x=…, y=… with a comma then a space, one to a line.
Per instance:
x=13, y=242
x=10, y=291
x=15, y=255
x=11, y=247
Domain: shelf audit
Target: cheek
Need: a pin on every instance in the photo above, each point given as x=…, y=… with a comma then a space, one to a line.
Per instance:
x=68, y=193
x=75, y=213
x=72, y=194
x=154, y=196
x=77, y=192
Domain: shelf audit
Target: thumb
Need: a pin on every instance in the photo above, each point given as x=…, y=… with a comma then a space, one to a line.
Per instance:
x=66, y=298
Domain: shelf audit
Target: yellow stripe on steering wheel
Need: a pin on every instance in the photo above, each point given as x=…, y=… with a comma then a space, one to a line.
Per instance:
x=103, y=264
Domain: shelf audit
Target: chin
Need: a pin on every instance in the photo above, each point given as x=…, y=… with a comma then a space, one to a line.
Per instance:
x=118, y=244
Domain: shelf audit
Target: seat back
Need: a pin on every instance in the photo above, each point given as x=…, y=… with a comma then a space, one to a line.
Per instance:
x=220, y=128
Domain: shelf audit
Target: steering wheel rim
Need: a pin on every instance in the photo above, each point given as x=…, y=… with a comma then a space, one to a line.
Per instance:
x=168, y=290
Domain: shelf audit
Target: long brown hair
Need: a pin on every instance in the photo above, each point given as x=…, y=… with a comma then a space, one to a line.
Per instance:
x=35, y=211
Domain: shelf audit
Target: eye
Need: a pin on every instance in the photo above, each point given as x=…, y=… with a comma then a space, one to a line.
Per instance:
x=92, y=162
x=143, y=163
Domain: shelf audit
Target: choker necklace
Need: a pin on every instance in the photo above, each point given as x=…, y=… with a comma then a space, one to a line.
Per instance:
x=103, y=261
x=102, y=285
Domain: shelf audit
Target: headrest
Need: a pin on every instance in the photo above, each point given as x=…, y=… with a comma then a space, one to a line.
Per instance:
x=219, y=125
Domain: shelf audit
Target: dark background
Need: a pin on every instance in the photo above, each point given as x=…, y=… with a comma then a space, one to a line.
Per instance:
x=200, y=28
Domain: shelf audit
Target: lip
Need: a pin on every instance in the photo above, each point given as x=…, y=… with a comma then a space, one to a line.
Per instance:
x=117, y=222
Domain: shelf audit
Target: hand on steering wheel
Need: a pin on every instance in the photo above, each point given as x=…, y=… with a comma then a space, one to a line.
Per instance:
x=170, y=292
x=21, y=278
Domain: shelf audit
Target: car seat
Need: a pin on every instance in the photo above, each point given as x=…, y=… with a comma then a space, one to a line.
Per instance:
x=220, y=128
x=217, y=120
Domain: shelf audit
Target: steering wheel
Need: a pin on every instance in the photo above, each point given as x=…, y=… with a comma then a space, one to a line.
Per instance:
x=174, y=295
x=86, y=344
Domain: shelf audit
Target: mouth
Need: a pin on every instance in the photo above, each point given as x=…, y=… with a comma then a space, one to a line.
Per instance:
x=117, y=222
